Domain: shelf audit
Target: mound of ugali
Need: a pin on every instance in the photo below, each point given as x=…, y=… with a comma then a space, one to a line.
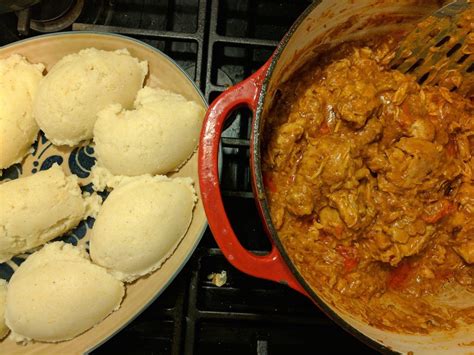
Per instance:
x=3, y=299
x=156, y=137
x=57, y=294
x=40, y=207
x=140, y=225
x=80, y=85
x=19, y=82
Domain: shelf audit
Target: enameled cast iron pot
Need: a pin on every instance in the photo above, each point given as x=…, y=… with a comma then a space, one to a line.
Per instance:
x=324, y=24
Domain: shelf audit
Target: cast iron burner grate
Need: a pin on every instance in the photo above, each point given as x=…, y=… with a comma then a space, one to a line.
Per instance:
x=218, y=43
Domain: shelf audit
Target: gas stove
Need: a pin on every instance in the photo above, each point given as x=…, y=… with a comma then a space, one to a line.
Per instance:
x=219, y=43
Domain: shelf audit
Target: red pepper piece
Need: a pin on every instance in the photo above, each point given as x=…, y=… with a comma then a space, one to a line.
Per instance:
x=398, y=276
x=447, y=208
x=349, y=255
x=324, y=128
x=268, y=182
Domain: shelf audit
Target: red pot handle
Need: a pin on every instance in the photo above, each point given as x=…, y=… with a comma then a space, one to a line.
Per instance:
x=271, y=266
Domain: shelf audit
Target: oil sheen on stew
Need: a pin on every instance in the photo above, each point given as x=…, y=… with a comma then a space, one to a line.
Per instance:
x=369, y=179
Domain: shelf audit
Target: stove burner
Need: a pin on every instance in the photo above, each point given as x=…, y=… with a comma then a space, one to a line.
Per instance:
x=52, y=16
x=50, y=10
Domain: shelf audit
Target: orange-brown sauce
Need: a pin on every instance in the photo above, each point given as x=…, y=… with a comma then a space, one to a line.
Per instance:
x=369, y=179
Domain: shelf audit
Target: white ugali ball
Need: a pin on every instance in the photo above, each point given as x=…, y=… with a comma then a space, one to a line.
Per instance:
x=157, y=137
x=140, y=225
x=19, y=82
x=38, y=208
x=3, y=298
x=57, y=294
x=79, y=86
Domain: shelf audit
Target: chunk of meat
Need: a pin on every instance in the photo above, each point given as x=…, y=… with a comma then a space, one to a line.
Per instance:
x=357, y=102
x=463, y=147
x=412, y=162
x=392, y=242
x=423, y=128
x=396, y=252
x=357, y=97
x=299, y=200
x=283, y=147
x=310, y=109
x=465, y=197
x=355, y=207
x=463, y=243
x=331, y=222
x=370, y=133
x=329, y=160
x=466, y=250
x=346, y=203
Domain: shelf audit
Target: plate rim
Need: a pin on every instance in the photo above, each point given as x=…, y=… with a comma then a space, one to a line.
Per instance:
x=111, y=34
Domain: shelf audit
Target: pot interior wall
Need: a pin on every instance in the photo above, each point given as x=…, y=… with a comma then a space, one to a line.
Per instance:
x=326, y=25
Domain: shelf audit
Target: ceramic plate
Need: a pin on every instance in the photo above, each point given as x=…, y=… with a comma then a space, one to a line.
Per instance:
x=163, y=73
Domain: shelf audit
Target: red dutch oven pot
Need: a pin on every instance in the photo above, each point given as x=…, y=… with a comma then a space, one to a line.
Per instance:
x=323, y=24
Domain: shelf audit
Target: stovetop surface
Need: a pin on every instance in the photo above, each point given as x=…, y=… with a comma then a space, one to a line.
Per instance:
x=219, y=43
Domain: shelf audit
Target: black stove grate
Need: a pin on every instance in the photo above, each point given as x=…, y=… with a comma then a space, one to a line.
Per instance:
x=218, y=43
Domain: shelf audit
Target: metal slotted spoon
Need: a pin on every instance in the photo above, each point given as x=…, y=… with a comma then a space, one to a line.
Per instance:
x=439, y=51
